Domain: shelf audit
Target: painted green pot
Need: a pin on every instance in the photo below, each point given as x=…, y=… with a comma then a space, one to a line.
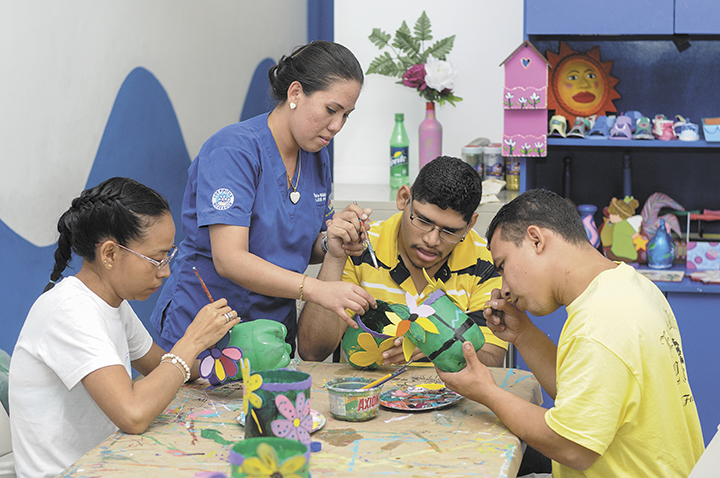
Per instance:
x=444, y=349
x=280, y=406
x=267, y=456
x=366, y=352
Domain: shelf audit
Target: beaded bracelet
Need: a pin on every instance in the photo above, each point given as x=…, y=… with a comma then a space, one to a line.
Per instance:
x=179, y=363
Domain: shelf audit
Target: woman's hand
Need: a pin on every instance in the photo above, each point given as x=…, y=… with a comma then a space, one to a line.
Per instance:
x=336, y=296
x=211, y=324
x=345, y=232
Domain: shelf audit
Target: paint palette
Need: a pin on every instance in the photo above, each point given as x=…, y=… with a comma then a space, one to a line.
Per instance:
x=317, y=417
x=419, y=397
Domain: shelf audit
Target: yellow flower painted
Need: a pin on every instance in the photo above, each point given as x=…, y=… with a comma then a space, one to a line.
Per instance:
x=266, y=464
x=250, y=384
x=372, y=352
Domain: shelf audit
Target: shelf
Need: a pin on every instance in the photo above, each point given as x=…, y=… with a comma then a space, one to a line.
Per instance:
x=686, y=285
x=629, y=143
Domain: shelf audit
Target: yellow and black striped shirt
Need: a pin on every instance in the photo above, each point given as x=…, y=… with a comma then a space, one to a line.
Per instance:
x=469, y=274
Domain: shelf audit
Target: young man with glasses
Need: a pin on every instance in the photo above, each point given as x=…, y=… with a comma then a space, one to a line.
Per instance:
x=432, y=234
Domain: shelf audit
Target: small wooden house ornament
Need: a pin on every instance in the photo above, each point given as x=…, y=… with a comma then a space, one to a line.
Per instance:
x=525, y=102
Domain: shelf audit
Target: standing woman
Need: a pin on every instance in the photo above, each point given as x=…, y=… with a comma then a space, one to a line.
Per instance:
x=70, y=380
x=258, y=198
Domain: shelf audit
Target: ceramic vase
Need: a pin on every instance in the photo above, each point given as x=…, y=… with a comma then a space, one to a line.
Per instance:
x=430, y=135
x=284, y=457
x=661, y=248
x=587, y=211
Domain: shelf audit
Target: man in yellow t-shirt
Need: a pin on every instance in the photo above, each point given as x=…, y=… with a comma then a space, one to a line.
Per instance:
x=623, y=404
x=433, y=232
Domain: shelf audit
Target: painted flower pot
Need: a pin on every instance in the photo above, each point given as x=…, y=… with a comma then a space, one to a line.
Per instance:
x=266, y=456
x=444, y=348
x=278, y=405
x=363, y=347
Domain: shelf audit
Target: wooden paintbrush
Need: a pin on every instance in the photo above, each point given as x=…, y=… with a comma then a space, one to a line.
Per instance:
x=387, y=377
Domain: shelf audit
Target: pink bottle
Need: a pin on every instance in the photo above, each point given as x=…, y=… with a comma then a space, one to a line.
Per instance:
x=430, y=134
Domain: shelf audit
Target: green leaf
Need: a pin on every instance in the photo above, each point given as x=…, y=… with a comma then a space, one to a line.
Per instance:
x=423, y=28
x=440, y=48
x=410, y=46
x=384, y=64
x=379, y=38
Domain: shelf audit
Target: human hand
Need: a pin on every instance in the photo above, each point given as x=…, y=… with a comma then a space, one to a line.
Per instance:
x=395, y=356
x=504, y=319
x=346, y=234
x=211, y=324
x=474, y=381
x=337, y=296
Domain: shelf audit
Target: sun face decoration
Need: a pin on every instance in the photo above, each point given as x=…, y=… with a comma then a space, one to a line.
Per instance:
x=580, y=84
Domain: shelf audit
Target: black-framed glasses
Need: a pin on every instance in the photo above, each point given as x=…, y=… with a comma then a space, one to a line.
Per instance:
x=427, y=226
x=159, y=264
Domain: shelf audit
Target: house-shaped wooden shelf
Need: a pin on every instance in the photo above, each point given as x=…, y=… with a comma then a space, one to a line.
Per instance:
x=525, y=102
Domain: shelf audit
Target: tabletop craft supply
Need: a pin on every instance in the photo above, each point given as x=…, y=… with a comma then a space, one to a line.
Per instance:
x=350, y=402
x=419, y=397
x=387, y=377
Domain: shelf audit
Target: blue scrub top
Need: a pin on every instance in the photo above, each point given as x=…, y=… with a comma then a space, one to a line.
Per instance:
x=238, y=178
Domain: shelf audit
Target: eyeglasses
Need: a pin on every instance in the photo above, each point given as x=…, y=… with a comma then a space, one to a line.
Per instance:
x=159, y=264
x=427, y=226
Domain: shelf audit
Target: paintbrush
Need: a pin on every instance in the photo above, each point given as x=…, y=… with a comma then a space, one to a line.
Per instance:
x=368, y=243
x=203, y=285
x=387, y=377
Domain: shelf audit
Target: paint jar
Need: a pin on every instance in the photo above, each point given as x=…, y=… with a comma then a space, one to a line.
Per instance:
x=494, y=164
x=473, y=155
x=349, y=403
x=248, y=455
x=512, y=173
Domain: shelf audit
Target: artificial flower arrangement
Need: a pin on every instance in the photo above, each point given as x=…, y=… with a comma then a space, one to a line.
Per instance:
x=425, y=69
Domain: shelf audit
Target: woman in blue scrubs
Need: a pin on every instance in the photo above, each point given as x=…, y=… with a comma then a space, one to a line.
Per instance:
x=258, y=198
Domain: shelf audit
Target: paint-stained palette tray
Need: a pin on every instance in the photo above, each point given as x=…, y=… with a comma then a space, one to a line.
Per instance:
x=317, y=417
x=419, y=397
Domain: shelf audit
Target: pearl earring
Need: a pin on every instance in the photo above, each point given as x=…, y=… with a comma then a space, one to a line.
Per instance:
x=293, y=106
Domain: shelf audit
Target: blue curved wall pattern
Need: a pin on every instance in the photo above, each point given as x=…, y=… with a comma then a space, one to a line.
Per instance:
x=142, y=140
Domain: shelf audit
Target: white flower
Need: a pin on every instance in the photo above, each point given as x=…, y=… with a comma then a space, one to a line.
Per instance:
x=508, y=95
x=439, y=74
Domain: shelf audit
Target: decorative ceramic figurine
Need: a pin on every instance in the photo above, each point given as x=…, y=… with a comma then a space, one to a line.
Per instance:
x=661, y=248
x=621, y=231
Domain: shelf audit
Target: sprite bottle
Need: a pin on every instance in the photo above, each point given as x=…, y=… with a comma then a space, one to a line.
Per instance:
x=399, y=145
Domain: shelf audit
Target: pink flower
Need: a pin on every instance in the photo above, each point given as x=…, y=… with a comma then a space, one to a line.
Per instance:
x=414, y=77
x=298, y=421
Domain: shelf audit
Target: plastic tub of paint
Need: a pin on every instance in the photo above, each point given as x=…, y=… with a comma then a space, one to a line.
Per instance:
x=349, y=403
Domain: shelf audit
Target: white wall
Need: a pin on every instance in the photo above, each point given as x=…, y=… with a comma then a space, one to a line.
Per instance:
x=62, y=63
x=487, y=31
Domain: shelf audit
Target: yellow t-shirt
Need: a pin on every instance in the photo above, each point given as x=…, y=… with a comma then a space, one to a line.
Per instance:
x=622, y=386
x=469, y=274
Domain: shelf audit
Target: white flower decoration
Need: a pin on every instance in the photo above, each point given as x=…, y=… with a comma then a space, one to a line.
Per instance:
x=439, y=74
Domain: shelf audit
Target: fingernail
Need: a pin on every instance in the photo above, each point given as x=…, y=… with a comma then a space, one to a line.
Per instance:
x=467, y=346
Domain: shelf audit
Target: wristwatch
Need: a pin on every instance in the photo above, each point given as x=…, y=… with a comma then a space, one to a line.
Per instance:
x=323, y=244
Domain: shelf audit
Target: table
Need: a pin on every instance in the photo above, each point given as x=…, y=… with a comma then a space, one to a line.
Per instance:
x=191, y=438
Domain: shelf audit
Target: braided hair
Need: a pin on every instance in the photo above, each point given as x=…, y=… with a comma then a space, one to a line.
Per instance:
x=316, y=66
x=118, y=208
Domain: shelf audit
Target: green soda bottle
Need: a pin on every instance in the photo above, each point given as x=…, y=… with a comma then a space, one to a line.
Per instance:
x=399, y=145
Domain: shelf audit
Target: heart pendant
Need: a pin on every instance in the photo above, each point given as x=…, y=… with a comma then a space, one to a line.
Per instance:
x=294, y=197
